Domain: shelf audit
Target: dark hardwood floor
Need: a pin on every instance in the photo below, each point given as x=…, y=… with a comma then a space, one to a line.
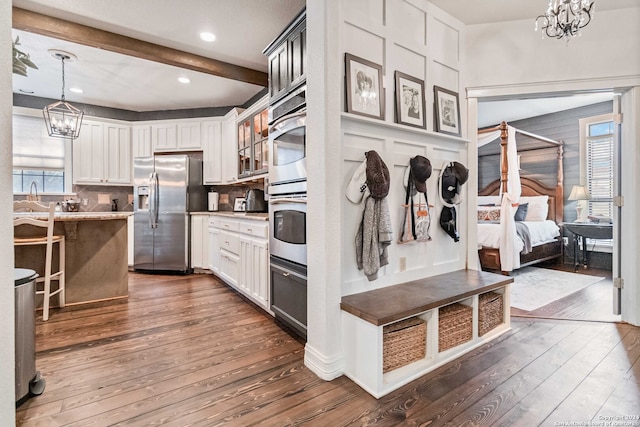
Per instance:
x=186, y=350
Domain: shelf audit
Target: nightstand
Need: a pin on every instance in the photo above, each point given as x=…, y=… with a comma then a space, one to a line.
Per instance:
x=586, y=230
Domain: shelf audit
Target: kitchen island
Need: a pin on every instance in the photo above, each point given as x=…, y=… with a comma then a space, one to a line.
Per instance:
x=96, y=254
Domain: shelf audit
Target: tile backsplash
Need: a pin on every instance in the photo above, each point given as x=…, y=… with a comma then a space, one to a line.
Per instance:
x=99, y=198
x=94, y=198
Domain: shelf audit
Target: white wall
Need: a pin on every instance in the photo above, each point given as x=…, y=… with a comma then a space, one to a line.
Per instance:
x=415, y=38
x=512, y=54
x=7, y=342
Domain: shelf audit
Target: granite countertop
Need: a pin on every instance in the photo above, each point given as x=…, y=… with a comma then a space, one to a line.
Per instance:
x=258, y=216
x=76, y=216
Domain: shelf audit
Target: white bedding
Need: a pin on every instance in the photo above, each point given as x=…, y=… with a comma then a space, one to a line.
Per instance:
x=541, y=232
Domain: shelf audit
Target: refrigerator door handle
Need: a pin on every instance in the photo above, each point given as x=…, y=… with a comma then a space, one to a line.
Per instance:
x=153, y=202
x=156, y=199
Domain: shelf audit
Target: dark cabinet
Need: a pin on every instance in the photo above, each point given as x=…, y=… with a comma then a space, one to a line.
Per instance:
x=278, y=73
x=288, y=59
x=253, y=145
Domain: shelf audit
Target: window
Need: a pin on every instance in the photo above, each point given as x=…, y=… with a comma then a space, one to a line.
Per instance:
x=599, y=167
x=46, y=181
x=38, y=158
x=597, y=137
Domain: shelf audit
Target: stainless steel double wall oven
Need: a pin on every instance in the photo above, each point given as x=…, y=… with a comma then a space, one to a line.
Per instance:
x=288, y=210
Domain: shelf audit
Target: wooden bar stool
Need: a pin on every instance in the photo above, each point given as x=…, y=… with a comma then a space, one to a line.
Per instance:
x=48, y=240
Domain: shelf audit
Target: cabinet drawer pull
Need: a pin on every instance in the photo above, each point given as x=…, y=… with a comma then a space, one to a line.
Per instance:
x=285, y=274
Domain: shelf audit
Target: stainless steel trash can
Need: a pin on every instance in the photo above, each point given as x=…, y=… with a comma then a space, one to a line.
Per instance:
x=28, y=380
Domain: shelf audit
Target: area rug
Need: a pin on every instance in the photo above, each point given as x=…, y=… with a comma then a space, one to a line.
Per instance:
x=535, y=287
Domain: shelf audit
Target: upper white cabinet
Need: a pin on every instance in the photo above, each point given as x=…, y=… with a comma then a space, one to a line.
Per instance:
x=230, y=146
x=102, y=154
x=176, y=135
x=211, y=135
x=141, y=141
x=189, y=136
x=164, y=136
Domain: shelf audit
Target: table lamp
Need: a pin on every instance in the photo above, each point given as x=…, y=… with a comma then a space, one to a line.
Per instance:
x=579, y=192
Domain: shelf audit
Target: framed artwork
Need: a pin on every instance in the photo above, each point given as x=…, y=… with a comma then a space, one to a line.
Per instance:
x=365, y=95
x=410, y=104
x=447, y=111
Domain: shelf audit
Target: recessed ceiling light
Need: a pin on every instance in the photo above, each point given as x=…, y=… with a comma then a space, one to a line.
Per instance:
x=184, y=80
x=76, y=90
x=208, y=37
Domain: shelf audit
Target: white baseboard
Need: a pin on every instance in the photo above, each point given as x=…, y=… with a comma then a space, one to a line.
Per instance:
x=324, y=367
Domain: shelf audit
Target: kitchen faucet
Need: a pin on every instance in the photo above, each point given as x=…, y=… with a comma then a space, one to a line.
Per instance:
x=31, y=196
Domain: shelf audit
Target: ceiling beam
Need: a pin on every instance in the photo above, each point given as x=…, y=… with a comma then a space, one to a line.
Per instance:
x=69, y=31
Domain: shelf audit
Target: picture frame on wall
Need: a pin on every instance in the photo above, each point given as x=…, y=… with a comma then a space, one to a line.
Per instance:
x=447, y=111
x=365, y=94
x=410, y=105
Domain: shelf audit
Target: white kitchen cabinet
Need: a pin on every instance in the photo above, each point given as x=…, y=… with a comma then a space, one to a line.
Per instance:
x=239, y=248
x=102, y=154
x=141, y=141
x=214, y=247
x=230, y=146
x=199, y=241
x=164, y=136
x=254, y=275
x=117, y=154
x=211, y=134
x=189, y=136
x=229, y=267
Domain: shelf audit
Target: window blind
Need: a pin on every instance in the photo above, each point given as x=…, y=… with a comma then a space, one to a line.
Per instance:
x=600, y=169
x=33, y=148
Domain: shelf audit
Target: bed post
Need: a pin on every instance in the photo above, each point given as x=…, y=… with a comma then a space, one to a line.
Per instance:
x=504, y=162
x=560, y=186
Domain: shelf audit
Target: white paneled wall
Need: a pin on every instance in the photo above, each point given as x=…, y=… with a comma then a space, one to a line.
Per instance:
x=412, y=37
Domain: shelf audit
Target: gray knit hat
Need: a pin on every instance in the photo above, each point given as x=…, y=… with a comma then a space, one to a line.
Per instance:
x=377, y=176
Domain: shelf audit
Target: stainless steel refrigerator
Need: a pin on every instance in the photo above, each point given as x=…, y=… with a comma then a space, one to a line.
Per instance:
x=165, y=189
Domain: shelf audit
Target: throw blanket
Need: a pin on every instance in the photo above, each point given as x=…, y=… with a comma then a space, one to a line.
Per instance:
x=373, y=237
x=523, y=232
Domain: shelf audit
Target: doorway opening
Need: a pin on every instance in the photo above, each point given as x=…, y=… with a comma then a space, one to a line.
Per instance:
x=578, y=285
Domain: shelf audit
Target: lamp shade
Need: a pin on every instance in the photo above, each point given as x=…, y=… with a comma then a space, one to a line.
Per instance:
x=579, y=192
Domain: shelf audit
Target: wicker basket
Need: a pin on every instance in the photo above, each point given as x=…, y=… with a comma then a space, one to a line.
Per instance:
x=455, y=325
x=403, y=342
x=490, y=311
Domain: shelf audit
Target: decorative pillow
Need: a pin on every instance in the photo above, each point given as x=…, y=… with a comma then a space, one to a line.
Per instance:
x=537, y=212
x=521, y=213
x=488, y=214
x=537, y=209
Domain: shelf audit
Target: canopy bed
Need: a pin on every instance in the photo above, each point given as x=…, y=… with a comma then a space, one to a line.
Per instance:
x=518, y=217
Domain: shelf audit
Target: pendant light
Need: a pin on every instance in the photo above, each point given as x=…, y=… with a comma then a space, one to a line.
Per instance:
x=63, y=120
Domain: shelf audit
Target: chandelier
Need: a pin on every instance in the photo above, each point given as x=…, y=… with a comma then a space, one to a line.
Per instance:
x=63, y=120
x=565, y=18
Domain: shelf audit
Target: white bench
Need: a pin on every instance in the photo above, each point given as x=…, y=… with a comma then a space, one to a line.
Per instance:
x=365, y=314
